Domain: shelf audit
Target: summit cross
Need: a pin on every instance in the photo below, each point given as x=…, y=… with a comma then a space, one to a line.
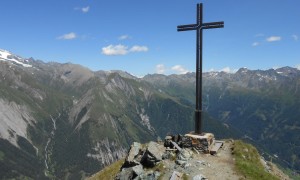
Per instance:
x=199, y=26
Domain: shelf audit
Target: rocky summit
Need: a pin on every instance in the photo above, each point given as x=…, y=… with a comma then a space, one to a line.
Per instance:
x=154, y=161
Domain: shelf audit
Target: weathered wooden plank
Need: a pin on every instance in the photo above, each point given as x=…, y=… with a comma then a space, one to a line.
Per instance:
x=176, y=145
x=205, y=136
x=216, y=147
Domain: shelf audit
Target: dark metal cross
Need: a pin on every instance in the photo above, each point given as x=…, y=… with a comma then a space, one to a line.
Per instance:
x=199, y=26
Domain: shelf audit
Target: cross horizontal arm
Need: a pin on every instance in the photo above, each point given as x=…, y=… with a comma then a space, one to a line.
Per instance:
x=187, y=29
x=187, y=26
x=212, y=26
x=213, y=23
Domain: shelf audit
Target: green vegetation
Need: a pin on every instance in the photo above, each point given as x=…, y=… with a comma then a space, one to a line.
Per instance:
x=1, y=156
x=264, y=110
x=109, y=172
x=291, y=174
x=185, y=176
x=271, y=124
x=248, y=162
x=106, y=111
x=18, y=164
x=104, y=114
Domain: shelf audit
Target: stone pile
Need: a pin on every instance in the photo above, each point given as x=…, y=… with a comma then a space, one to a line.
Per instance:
x=140, y=157
x=200, y=143
x=143, y=161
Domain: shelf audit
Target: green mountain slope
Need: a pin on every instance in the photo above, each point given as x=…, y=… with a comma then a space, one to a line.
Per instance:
x=262, y=105
x=75, y=121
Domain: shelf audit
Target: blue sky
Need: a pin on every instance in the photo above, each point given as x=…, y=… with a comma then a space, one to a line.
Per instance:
x=140, y=37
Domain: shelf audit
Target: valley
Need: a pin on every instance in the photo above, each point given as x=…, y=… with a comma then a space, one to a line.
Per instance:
x=64, y=121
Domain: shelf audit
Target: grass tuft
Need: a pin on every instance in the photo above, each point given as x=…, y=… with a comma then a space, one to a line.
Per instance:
x=109, y=172
x=248, y=162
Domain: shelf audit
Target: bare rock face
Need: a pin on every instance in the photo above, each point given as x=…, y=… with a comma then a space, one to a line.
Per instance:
x=148, y=156
x=138, y=158
x=73, y=73
x=153, y=154
x=106, y=151
x=156, y=150
x=132, y=158
x=126, y=173
x=183, y=156
x=15, y=119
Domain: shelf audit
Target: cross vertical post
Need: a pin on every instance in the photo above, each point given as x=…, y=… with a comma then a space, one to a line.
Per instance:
x=199, y=26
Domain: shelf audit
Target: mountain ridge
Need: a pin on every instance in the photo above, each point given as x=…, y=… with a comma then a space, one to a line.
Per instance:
x=261, y=104
x=77, y=115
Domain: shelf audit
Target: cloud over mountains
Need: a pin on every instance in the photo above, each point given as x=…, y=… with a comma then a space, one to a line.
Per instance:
x=120, y=49
x=68, y=36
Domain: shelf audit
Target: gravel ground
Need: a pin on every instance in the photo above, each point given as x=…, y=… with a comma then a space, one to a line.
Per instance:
x=220, y=166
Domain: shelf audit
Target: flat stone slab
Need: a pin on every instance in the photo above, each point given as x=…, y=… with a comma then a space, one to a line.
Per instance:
x=156, y=150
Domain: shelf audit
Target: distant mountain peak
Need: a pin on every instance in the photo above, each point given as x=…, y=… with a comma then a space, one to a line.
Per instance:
x=14, y=59
x=243, y=70
x=287, y=71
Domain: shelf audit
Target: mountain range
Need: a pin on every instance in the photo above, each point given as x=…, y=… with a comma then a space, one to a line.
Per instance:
x=64, y=121
x=262, y=105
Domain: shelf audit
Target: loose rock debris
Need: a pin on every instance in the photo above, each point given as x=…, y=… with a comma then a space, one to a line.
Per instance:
x=176, y=157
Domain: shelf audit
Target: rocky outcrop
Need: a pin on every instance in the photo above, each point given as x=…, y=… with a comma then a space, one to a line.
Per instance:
x=134, y=155
x=15, y=119
x=107, y=152
x=140, y=157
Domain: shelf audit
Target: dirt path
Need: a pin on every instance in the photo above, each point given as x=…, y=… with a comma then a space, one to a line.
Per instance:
x=216, y=167
x=220, y=166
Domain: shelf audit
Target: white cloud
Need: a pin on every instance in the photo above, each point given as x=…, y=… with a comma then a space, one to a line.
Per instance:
x=295, y=37
x=298, y=66
x=273, y=38
x=180, y=69
x=228, y=70
x=139, y=49
x=160, y=69
x=122, y=50
x=259, y=35
x=115, y=50
x=255, y=44
x=68, y=36
x=124, y=37
x=85, y=9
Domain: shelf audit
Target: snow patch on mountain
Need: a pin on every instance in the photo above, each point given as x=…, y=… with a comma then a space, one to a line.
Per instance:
x=266, y=77
x=9, y=57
